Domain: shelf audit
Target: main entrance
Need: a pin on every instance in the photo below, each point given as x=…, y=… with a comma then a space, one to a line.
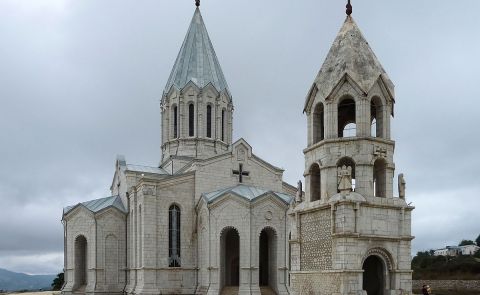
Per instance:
x=267, y=258
x=373, y=276
x=230, y=257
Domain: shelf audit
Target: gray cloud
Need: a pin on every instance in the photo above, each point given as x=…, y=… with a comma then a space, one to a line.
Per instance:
x=80, y=81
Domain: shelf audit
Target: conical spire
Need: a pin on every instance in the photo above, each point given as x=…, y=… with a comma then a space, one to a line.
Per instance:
x=351, y=54
x=197, y=61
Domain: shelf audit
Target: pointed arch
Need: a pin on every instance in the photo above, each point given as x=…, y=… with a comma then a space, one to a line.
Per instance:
x=318, y=123
x=174, y=236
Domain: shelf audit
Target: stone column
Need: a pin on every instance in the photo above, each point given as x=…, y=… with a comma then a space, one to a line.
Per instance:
x=331, y=120
x=310, y=128
x=388, y=110
x=363, y=117
x=148, y=244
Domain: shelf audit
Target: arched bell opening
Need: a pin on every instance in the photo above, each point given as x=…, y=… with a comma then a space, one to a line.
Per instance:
x=80, y=262
x=380, y=178
x=377, y=117
x=318, y=123
x=347, y=121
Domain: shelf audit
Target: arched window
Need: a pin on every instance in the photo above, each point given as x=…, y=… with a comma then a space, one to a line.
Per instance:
x=175, y=122
x=314, y=183
x=174, y=236
x=380, y=178
x=223, y=125
x=191, y=119
x=376, y=113
x=348, y=162
x=347, y=126
x=318, y=123
x=209, y=121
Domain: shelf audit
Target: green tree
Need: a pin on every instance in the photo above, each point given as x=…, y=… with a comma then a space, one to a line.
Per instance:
x=478, y=240
x=477, y=254
x=466, y=242
x=58, y=282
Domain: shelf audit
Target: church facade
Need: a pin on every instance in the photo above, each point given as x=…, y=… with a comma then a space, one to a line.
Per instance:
x=214, y=218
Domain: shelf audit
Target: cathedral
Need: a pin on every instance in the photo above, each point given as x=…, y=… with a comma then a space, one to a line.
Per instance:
x=215, y=218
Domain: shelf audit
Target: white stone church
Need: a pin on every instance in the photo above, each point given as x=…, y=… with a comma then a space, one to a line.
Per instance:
x=214, y=218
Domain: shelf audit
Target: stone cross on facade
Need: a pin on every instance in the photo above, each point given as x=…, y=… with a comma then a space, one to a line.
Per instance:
x=345, y=179
x=380, y=152
x=240, y=173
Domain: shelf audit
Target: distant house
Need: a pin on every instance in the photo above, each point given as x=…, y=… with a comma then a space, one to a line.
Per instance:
x=457, y=250
x=469, y=249
x=448, y=251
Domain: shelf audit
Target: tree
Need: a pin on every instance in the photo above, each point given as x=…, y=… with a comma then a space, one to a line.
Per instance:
x=478, y=240
x=466, y=242
x=58, y=282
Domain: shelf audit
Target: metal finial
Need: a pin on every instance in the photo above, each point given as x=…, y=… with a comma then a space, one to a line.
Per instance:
x=197, y=3
x=349, y=8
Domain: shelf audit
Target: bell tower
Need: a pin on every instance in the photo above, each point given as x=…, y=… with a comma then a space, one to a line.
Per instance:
x=350, y=227
x=196, y=104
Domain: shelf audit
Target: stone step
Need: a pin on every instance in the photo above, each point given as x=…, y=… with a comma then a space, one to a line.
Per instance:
x=229, y=291
x=267, y=291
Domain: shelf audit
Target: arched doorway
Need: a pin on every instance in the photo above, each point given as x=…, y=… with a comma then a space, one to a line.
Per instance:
x=230, y=257
x=373, y=275
x=80, y=261
x=267, y=258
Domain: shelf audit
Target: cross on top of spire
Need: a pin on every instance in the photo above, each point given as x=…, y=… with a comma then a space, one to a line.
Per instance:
x=197, y=3
x=349, y=8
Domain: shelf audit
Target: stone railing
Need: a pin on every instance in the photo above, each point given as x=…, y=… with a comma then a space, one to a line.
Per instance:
x=461, y=285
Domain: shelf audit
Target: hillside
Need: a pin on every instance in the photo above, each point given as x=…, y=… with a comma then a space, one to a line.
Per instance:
x=13, y=281
x=429, y=267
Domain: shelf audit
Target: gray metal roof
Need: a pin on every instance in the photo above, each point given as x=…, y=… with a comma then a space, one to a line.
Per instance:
x=197, y=61
x=249, y=193
x=146, y=169
x=351, y=54
x=99, y=204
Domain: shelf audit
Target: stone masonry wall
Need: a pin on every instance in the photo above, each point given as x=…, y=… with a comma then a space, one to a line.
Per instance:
x=316, y=247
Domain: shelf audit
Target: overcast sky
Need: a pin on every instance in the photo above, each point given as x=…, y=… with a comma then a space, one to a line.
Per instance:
x=80, y=82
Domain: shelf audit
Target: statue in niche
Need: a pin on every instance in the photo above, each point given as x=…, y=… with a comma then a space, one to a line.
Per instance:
x=401, y=186
x=298, y=197
x=345, y=179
